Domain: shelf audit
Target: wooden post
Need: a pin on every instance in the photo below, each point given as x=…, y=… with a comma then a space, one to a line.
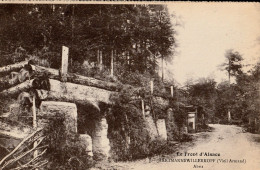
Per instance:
x=64, y=62
x=115, y=56
x=128, y=58
x=112, y=63
x=178, y=102
x=151, y=86
x=34, y=126
x=143, y=107
x=172, y=91
x=229, y=116
x=162, y=69
x=100, y=61
x=123, y=55
x=196, y=118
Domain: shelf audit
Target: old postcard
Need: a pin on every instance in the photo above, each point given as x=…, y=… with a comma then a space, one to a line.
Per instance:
x=129, y=85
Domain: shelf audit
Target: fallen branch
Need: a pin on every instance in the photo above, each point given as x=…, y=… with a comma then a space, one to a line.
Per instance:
x=9, y=152
x=19, y=145
x=28, y=163
x=26, y=147
x=24, y=154
x=40, y=164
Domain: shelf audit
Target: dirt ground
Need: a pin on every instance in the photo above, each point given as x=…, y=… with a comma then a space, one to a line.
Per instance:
x=231, y=148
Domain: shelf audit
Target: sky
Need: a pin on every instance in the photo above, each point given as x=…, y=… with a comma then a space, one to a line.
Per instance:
x=209, y=29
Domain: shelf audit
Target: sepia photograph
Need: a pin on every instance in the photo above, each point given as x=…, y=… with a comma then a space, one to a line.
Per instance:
x=118, y=85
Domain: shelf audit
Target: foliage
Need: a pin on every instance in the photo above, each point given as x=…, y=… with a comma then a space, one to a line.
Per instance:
x=180, y=117
x=65, y=151
x=233, y=64
x=125, y=30
x=125, y=120
x=242, y=98
x=203, y=93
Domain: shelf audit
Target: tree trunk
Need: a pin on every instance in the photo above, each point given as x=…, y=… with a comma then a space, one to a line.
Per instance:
x=162, y=70
x=229, y=67
x=98, y=62
x=229, y=78
x=101, y=61
x=112, y=64
x=72, y=22
x=128, y=60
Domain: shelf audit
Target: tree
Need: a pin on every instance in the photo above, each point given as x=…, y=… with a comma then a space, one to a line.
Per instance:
x=164, y=35
x=233, y=66
x=233, y=63
x=244, y=103
x=203, y=93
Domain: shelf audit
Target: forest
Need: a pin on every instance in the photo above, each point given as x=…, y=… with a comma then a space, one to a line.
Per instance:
x=133, y=36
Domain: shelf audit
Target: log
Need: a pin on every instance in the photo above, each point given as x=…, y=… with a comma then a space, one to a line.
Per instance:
x=75, y=93
x=16, y=90
x=13, y=67
x=50, y=71
x=81, y=81
x=54, y=74
x=78, y=79
x=68, y=92
x=78, y=93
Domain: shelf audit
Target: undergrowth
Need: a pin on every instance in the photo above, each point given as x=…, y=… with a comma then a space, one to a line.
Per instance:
x=65, y=151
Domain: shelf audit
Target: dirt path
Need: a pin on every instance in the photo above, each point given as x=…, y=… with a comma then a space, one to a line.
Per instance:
x=237, y=150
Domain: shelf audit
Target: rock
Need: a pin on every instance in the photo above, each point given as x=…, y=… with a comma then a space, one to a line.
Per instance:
x=53, y=109
x=100, y=140
x=86, y=140
x=172, y=128
x=151, y=127
x=162, y=128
